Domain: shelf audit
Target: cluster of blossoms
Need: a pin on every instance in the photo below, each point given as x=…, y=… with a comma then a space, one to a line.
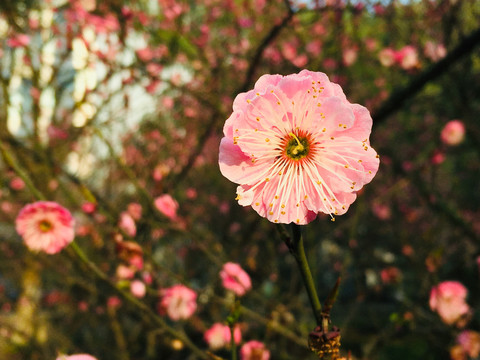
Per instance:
x=406, y=57
x=297, y=147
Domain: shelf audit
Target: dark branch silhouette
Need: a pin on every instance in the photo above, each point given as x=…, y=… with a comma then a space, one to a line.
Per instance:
x=398, y=97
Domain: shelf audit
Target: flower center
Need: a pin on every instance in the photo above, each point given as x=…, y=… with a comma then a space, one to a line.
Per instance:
x=45, y=225
x=297, y=147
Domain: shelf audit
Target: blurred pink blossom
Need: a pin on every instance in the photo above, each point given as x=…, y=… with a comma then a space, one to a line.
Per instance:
x=314, y=47
x=114, y=302
x=219, y=336
x=178, y=301
x=453, y=133
x=390, y=275
x=434, y=51
x=235, y=278
x=147, y=277
x=135, y=210
x=191, y=193
x=167, y=206
x=448, y=300
x=76, y=357
x=387, y=57
x=438, y=157
x=18, y=40
x=138, y=288
x=125, y=272
x=56, y=133
x=350, y=56
x=17, y=183
x=381, y=211
x=45, y=226
x=89, y=207
x=127, y=224
x=145, y=54
x=407, y=57
x=254, y=350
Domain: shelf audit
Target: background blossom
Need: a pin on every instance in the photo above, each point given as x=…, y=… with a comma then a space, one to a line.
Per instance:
x=178, y=301
x=448, y=300
x=45, y=226
x=235, y=278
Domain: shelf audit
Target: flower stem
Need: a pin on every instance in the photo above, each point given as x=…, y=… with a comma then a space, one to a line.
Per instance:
x=232, y=342
x=295, y=246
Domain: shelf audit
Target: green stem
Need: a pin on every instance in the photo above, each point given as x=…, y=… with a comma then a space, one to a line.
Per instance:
x=298, y=251
x=232, y=342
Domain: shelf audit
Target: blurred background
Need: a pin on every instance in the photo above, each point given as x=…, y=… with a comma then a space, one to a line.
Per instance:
x=105, y=106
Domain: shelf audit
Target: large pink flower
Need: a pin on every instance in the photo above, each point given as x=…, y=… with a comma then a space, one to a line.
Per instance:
x=448, y=300
x=235, y=278
x=45, y=226
x=178, y=301
x=297, y=147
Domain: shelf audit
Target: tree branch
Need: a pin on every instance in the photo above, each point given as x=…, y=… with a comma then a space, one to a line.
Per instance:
x=398, y=97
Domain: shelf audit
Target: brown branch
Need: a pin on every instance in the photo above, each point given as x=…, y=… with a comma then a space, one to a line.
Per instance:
x=274, y=31
x=400, y=96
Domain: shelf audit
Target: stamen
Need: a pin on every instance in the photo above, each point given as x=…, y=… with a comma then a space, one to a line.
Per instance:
x=299, y=146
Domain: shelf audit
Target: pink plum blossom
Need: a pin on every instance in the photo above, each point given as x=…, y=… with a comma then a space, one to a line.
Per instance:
x=407, y=57
x=453, y=133
x=219, y=336
x=76, y=357
x=448, y=300
x=387, y=57
x=45, y=226
x=167, y=206
x=17, y=183
x=127, y=224
x=89, y=207
x=297, y=147
x=235, y=278
x=138, y=288
x=178, y=301
x=125, y=272
x=254, y=350
x=349, y=56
